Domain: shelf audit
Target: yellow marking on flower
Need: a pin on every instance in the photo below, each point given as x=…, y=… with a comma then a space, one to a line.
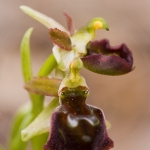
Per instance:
x=72, y=65
x=97, y=25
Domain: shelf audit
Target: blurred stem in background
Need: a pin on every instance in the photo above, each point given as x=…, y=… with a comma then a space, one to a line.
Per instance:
x=29, y=112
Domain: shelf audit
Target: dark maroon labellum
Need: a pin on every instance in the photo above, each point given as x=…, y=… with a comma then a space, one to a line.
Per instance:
x=76, y=125
x=109, y=60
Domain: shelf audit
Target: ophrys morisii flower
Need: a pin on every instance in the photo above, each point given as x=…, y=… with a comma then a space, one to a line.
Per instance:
x=73, y=43
x=74, y=124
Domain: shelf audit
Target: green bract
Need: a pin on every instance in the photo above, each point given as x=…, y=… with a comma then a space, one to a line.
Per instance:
x=43, y=85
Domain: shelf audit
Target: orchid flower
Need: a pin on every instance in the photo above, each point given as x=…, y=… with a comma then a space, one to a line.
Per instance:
x=72, y=50
x=71, y=44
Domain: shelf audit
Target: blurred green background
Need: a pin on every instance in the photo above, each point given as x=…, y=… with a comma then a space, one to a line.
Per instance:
x=124, y=99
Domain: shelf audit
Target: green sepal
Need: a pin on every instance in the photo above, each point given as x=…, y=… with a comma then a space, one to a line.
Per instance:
x=43, y=19
x=43, y=86
x=41, y=124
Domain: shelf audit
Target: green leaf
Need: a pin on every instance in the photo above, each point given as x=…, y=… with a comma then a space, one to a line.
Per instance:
x=37, y=100
x=43, y=19
x=41, y=124
x=43, y=86
x=61, y=39
x=22, y=118
x=25, y=55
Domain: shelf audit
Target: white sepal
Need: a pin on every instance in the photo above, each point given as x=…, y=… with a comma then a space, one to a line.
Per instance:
x=63, y=57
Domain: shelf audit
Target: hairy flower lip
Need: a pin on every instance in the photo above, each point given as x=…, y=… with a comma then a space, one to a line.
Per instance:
x=107, y=65
x=121, y=50
x=105, y=59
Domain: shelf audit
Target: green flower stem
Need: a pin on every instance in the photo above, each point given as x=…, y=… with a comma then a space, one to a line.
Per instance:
x=48, y=66
x=39, y=141
x=17, y=142
x=37, y=100
x=37, y=103
x=46, y=69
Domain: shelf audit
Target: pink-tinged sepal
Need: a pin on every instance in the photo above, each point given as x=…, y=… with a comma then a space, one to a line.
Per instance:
x=69, y=23
x=109, y=60
x=60, y=38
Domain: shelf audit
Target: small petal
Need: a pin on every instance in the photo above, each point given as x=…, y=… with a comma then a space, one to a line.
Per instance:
x=43, y=86
x=41, y=124
x=43, y=19
x=61, y=39
x=69, y=23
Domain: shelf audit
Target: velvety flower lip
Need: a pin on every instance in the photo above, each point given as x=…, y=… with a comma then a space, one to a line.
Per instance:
x=105, y=59
x=76, y=125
